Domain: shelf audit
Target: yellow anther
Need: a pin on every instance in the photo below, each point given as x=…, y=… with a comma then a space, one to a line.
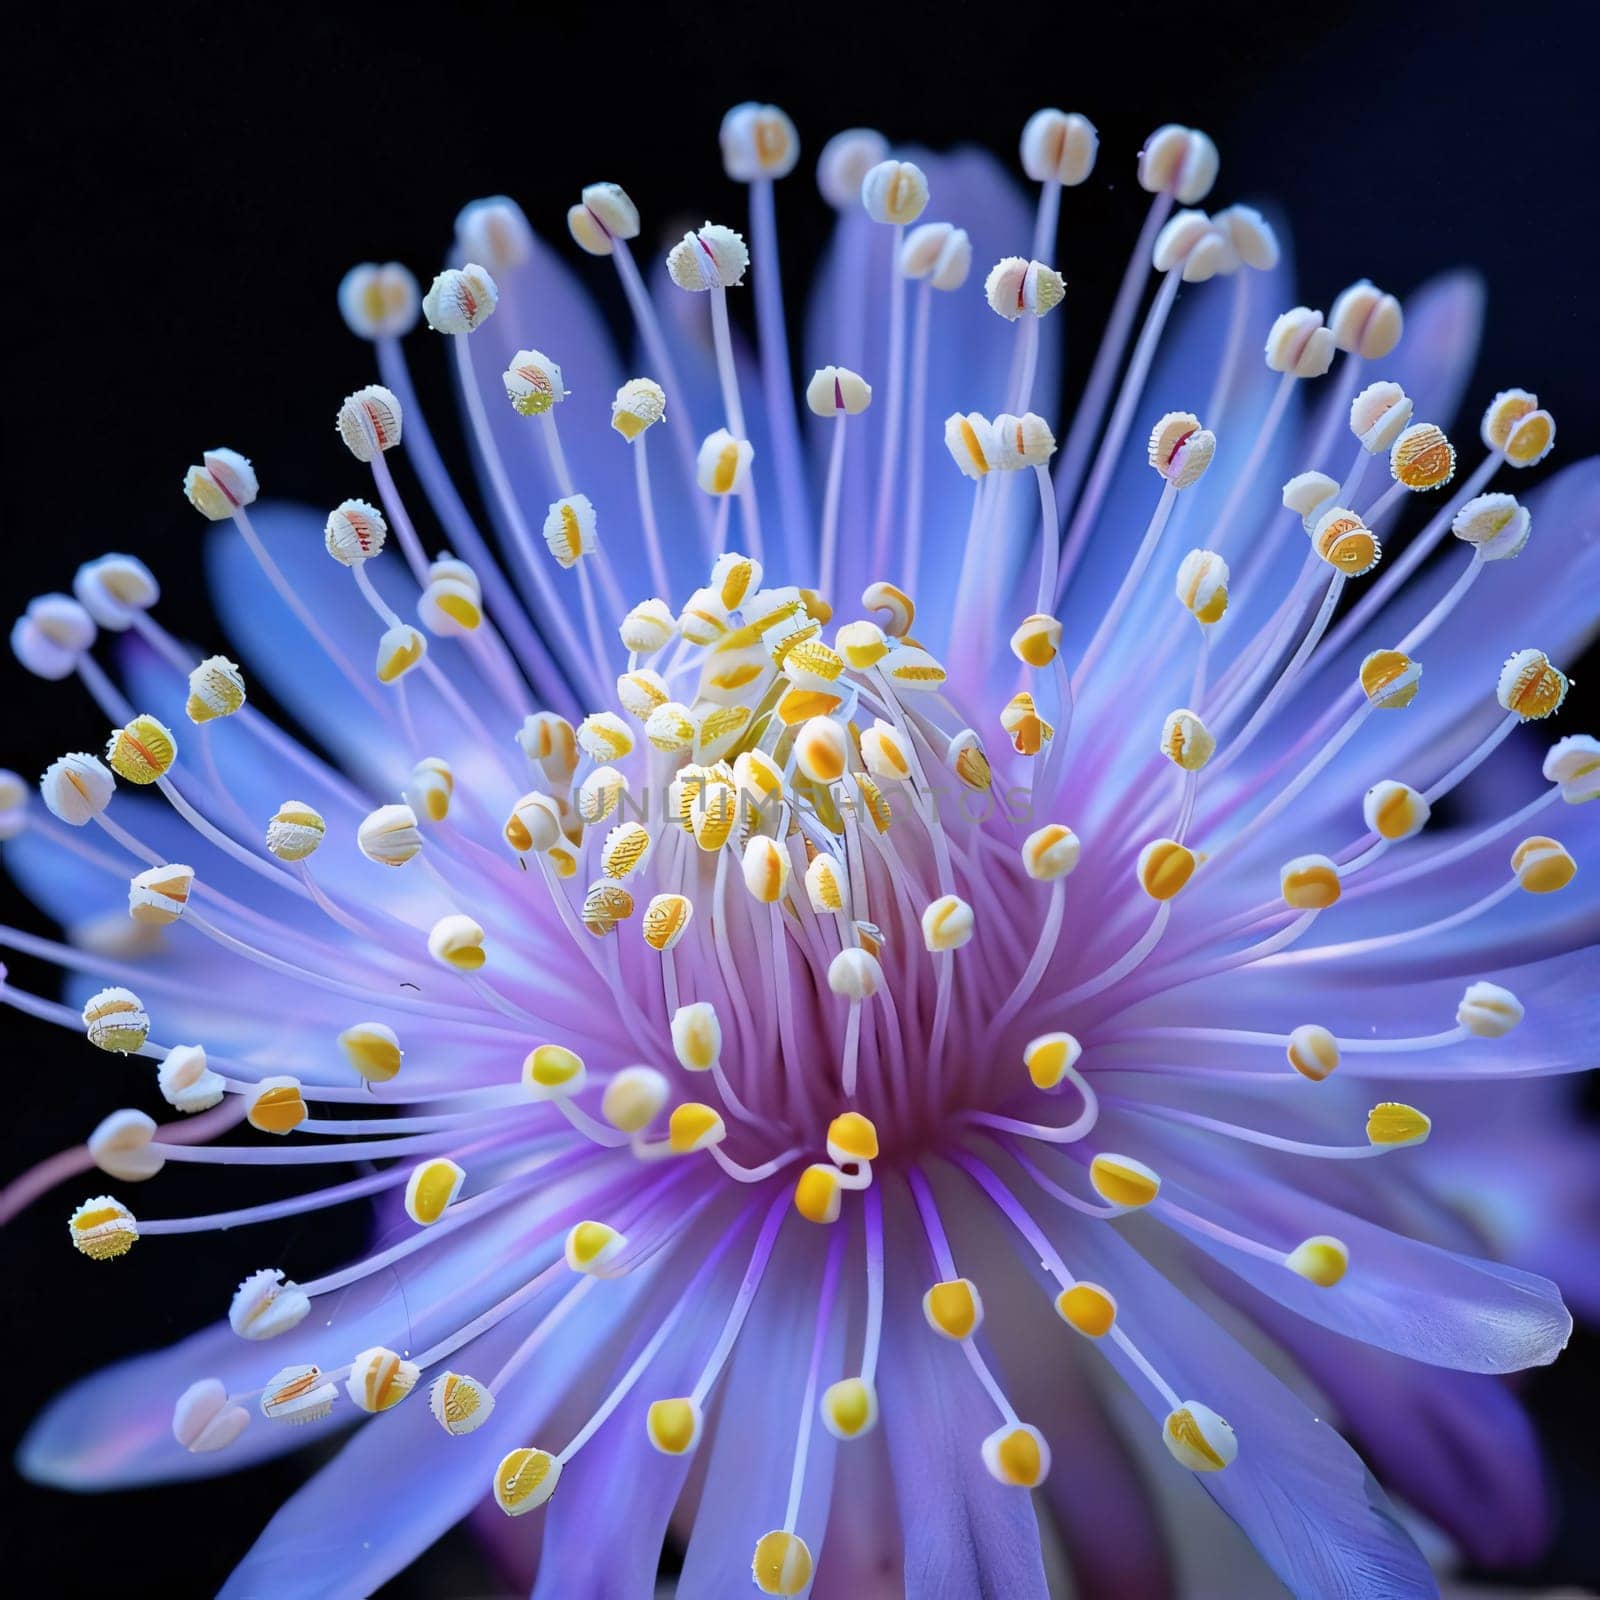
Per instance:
x=593, y=1247
x=430, y=787
x=758, y=775
x=673, y=1426
x=817, y=1194
x=852, y=1138
x=1202, y=585
x=911, y=667
x=827, y=887
x=1048, y=1058
x=633, y=1099
x=694, y=1126
x=713, y=811
x=1050, y=852
x=1199, y=1438
x=294, y=831
x=870, y=935
x=804, y=705
x=604, y=906
x=1016, y=1454
x=373, y=1051
x=1531, y=439
x=1505, y=411
x=564, y=861
x=1186, y=741
x=954, y=1308
x=1310, y=883
x=1313, y=1051
x=102, y=1228
x=1180, y=449
x=1394, y=810
x=550, y=1070
x=640, y=404
x=552, y=742
x=277, y=1105
x=1088, y=1308
x=697, y=1036
x=666, y=919
x=298, y=1394
x=431, y=1187
x=969, y=761
x=142, y=751
x=216, y=689
x=849, y=1408
x=379, y=1379
x=115, y=1019
x=533, y=383
x=638, y=693
x=719, y=730
x=604, y=736
x=1543, y=865
x=450, y=606
x=158, y=896
x=723, y=465
x=812, y=664
x=821, y=749
x=872, y=798
x=1037, y=641
x=862, y=644
x=457, y=941
x=734, y=577
x=598, y=795
x=1345, y=542
x=1123, y=1181
x=1422, y=458
x=782, y=1562
x=1488, y=1011
x=765, y=866
x=626, y=849
x=1391, y=1123
x=1164, y=867
x=1028, y=731
x=816, y=606
x=885, y=753
x=670, y=728
x=1322, y=1260
x=1530, y=684
x=399, y=650
x=524, y=1480
x=1389, y=679
x=535, y=822
x=459, y=1403
x=730, y=671
x=901, y=610
x=569, y=529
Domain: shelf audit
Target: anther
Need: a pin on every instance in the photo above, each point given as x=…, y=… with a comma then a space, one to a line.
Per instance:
x=524, y=1480
x=1530, y=685
x=712, y=257
x=459, y=1403
x=1164, y=867
x=947, y=923
x=1028, y=731
x=354, y=532
x=431, y=1188
x=143, y=751
x=694, y=1126
x=1393, y=1125
x=1345, y=542
x=1389, y=679
x=972, y=444
x=569, y=529
x=1037, y=641
x=1202, y=585
x=674, y=1426
x=845, y=161
x=853, y=974
x=51, y=636
x=1198, y=1438
x=533, y=383
x=1394, y=811
x=1088, y=1308
x=1191, y=240
x=1543, y=865
x=294, y=831
x=266, y=1304
x=849, y=1408
x=1366, y=322
x=552, y=1071
x=103, y=1228
x=1515, y=426
x=460, y=299
x=187, y=1084
x=380, y=1379
x=1017, y=287
x=954, y=1308
x=758, y=142
x=633, y=1099
x=115, y=590
x=550, y=740
x=1298, y=344
x=605, y=214
x=457, y=941
x=1180, y=449
x=895, y=192
x=647, y=627
x=1249, y=235
x=429, y=789
x=1488, y=1011
x=389, y=836
x=593, y=1247
x=160, y=895
x=1016, y=1454
x=1049, y=1058
x=1308, y=494
x=884, y=753
x=833, y=390
x=1422, y=458
x=818, y=1193
x=1059, y=146
x=1186, y=741
x=370, y=421
x=216, y=689
x=1024, y=441
x=1574, y=764
x=120, y=1147
x=1322, y=1260
x=1123, y=1181
x=967, y=758
x=1178, y=161
x=204, y=1420
x=115, y=1019
x=1313, y=1051
x=1495, y=525
x=1310, y=883
x=1378, y=415
x=379, y=301
x=723, y=465
x=372, y=1050
x=900, y=611
x=697, y=1036
x=1050, y=852
x=937, y=253
x=277, y=1105
x=221, y=484
x=495, y=230
x=782, y=1563
x=639, y=405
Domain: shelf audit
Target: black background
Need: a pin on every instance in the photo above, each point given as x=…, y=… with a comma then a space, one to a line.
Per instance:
x=187, y=183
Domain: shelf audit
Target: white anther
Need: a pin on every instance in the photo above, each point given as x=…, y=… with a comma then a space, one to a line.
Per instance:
x=1313, y=1051
x=451, y=606
x=221, y=484
x=1366, y=322
x=159, y=895
x=1180, y=449
x=821, y=750
x=707, y=258
x=697, y=1036
x=460, y=299
x=1024, y=441
x=115, y=589
x=1298, y=343
x=460, y=1403
x=605, y=214
x=115, y=1020
x=938, y=252
x=1249, y=235
x=187, y=1084
x=549, y=740
x=494, y=230
x=1181, y=162
x=765, y=865
x=854, y=975
x=569, y=529
x=298, y=1394
x=50, y=637
x=1308, y=494
x=380, y=1379
x=295, y=831
x=369, y=421
x=267, y=1304
x=845, y=161
x=533, y=383
x=1378, y=415
x=400, y=648
x=972, y=444
x=1495, y=525
x=1059, y=145
x=1531, y=685
x=758, y=142
x=1212, y=255
x=634, y=1098
x=640, y=404
x=13, y=804
x=1394, y=811
x=947, y=923
x=1488, y=1011
x=1016, y=288
x=77, y=787
x=203, y=1418
x=723, y=465
x=639, y=692
x=389, y=835
x=1181, y=236
x=216, y=689
x=429, y=789
x=354, y=532
x=1051, y=852
x=604, y=736
x=1574, y=763
x=648, y=627
x=1202, y=585
x=1186, y=741
x=1198, y=1438
x=379, y=301
x=835, y=389
x=828, y=885
x=884, y=753
x=120, y=1147
x=895, y=191
x=457, y=941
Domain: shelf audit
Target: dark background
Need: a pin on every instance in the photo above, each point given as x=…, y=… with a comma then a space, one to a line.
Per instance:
x=187, y=184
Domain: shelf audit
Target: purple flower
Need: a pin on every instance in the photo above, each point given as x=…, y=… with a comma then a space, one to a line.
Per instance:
x=870, y=941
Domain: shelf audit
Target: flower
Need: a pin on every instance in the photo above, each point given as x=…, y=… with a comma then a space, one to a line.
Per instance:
x=824, y=941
